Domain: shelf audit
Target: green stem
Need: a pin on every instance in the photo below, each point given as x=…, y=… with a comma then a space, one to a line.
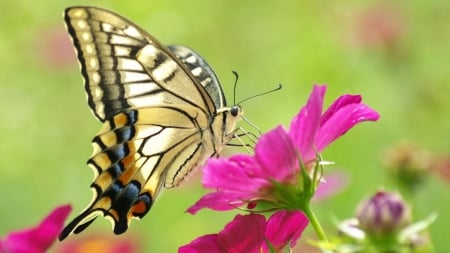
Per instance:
x=315, y=223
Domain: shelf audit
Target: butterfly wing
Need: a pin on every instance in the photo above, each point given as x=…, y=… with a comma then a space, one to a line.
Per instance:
x=154, y=110
x=135, y=154
x=125, y=67
x=202, y=72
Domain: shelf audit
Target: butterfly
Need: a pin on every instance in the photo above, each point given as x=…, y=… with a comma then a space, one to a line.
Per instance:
x=163, y=111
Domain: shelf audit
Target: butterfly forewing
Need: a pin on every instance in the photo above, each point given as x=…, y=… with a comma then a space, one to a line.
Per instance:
x=163, y=113
x=124, y=67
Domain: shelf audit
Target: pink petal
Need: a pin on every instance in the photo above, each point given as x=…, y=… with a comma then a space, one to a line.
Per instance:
x=233, y=174
x=276, y=154
x=204, y=244
x=40, y=238
x=219, y=201
x=332, y=184
x=342, y=101
x=285, y=227
x=244, y=234
x=342, y=121
x=236, y=181
x=305, y=126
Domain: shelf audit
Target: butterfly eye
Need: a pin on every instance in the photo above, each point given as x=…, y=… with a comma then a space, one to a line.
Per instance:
x=234, y=111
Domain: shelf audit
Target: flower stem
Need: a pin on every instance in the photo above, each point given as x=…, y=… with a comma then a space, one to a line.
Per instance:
x=315, y=223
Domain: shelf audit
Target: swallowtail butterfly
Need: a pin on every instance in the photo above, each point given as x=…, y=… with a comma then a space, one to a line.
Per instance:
x=162, y=108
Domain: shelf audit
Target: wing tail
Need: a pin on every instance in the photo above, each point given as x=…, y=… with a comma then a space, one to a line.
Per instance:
x=80, y=223
x=128, y=204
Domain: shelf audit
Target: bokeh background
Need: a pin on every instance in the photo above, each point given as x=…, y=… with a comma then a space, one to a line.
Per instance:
x=395, y=53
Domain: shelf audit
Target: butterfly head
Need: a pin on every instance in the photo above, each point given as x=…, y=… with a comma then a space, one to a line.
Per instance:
x=236, y=111
x=227, y=119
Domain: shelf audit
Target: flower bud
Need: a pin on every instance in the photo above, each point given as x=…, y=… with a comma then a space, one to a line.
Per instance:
x=408, y=164
x=383, y=215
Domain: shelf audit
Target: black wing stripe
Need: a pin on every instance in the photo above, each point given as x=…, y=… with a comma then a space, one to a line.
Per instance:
x=179, y=170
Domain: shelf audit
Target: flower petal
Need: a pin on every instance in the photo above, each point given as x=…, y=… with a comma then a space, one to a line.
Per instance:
x=39, y=238
x=219, y=201
x=342, y=101
x=244, y=234
x=285, y=227
x=332, y=184
x=276, y=155
x=235, y=180
x=305, y=126
x=342, y=121
x=235, y=174
x=204, y=244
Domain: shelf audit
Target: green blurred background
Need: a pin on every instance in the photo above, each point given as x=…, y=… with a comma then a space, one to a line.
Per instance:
x=396, y=54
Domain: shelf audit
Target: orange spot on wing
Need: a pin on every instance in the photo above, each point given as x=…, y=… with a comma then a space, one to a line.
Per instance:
x=120, y=119
x=139, y=208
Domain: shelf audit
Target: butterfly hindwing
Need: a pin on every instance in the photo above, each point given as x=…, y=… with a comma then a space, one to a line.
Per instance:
x=130, y=171
x=163, y=112
x=202, y=72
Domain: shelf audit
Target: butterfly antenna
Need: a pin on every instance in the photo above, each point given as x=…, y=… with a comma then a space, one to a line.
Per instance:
x=262, y=93
x=236, y=78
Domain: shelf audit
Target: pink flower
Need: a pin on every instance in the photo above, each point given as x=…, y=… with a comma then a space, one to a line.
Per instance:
x=242, y=179
x=250, y=233
x=332, y=184
x=37, y=239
